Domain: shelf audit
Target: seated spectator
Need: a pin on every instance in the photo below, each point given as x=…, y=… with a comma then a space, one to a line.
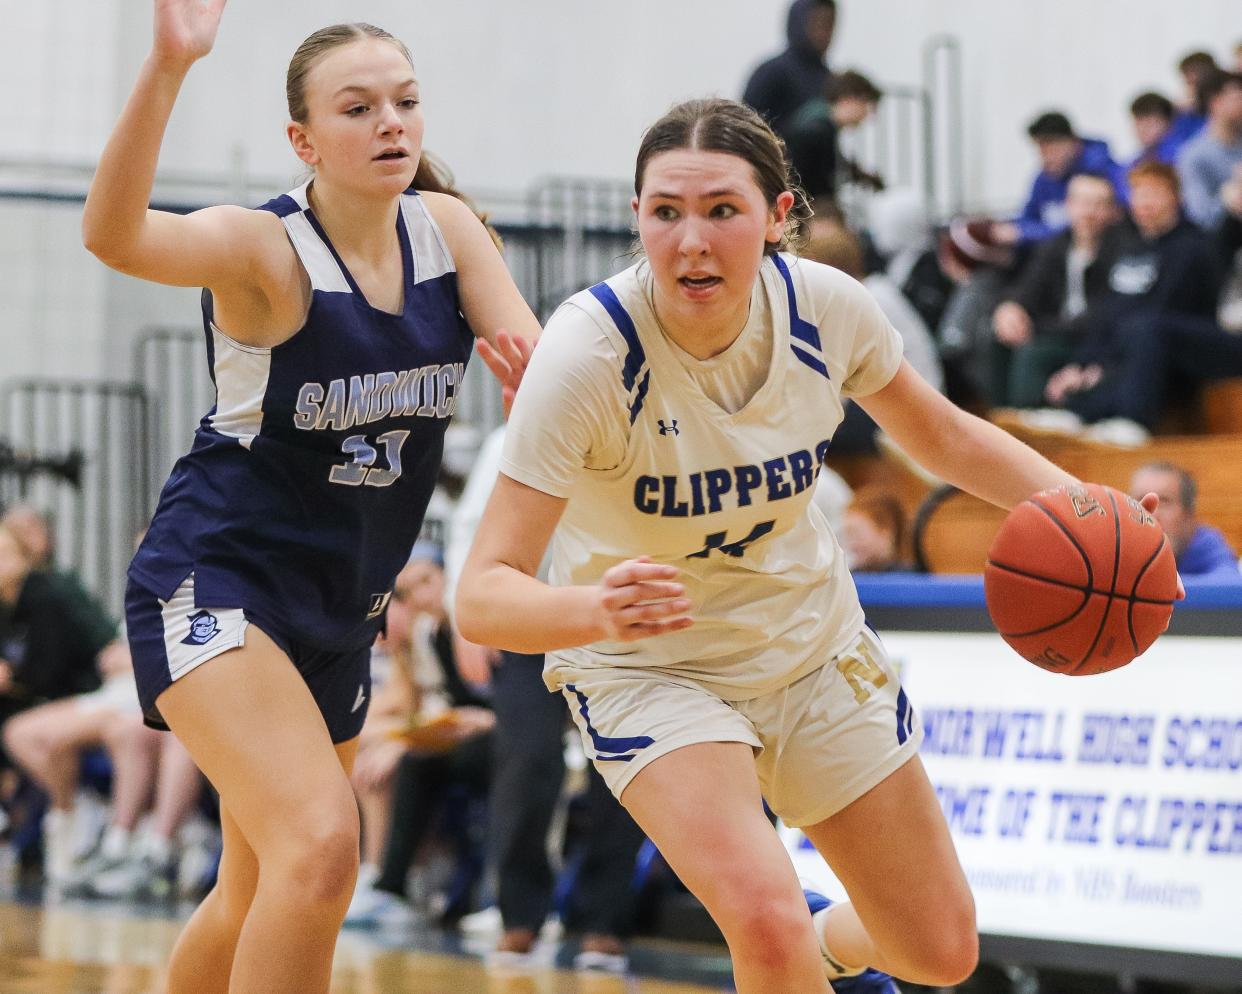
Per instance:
x=1207, y=162
x=1063, y=154
x=33, y=532
x=401, y=781
x=50, y=634
x=812, y=133
x=1229, y=237
x=1191, y=111
x=1043, y=319
x=902, y=235
x=873, y=533
x=782, y=84
x=1153, y=115
x=1201, y=550
x=47, y=742
x=1164, y=268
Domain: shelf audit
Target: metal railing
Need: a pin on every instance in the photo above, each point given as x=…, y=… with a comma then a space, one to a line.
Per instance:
x=108, y=425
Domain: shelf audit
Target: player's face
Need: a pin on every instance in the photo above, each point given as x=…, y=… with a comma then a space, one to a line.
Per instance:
x=704, y=222
x=364, y=125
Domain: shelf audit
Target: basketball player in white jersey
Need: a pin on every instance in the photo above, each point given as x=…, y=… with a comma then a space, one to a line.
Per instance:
x=700, y=620
x=338, y=318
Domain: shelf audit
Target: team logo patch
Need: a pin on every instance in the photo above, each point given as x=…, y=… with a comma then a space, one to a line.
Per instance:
x=203, y=628
x=670, y=428
x=378, y=603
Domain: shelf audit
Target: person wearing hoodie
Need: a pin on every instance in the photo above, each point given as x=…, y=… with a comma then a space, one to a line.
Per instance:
x=1063, y=154
x=782, y=84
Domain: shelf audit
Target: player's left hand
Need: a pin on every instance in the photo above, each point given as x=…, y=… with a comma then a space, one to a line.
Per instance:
x=1150, y=502
x=507, y=360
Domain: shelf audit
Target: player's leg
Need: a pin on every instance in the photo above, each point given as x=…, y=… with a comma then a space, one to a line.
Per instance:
x=47, y=742
x=252, y=726
x=912, y=913
x=702, y=808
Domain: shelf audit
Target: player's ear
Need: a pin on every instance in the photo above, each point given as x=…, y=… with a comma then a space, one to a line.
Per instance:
x=778, y=215
x=300, y=139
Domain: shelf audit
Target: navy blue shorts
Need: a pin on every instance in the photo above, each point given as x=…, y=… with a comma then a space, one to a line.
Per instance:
x=169, y=639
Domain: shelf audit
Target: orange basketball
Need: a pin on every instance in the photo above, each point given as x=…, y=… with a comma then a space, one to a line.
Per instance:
x=1080, y=579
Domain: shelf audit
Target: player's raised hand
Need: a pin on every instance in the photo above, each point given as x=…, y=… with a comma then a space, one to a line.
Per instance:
x=507, y=360
x=639, y=598
x=185, y=30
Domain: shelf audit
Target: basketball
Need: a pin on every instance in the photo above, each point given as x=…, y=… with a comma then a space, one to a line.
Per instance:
x=1080, y=579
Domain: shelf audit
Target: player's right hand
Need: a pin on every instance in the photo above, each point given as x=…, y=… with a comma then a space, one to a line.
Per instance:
x=639, y=598
x=185, y=30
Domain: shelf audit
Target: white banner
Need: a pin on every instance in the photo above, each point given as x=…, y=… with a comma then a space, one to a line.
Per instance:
x=1103, y=809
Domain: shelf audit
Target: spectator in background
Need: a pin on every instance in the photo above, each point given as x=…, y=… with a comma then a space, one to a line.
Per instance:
x=1191, y=111
x=1063, y=154
x=873, y=533
x=50, y=635
x=1165, y=269
x=1153, y=115
x=1201, y=550
x=1207, y=162
x=33, y=531
x=902, y=235
x=1043, y=319
x=812, y=133
x=1237, y=57
x=782, y=84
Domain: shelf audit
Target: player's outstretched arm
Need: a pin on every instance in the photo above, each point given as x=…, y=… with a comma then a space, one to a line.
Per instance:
x=500, y=603
x=208, y=248
x=490, y=301
x=958, y=447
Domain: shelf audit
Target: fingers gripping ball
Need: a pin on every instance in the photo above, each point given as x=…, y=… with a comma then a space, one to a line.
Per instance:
x=1080, y=579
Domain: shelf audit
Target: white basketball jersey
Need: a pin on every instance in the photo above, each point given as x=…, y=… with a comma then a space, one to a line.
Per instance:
x=610, y=418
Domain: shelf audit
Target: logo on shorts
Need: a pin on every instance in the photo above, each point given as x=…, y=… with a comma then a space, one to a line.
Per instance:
x=203, y=628
x=359, y=700
x=378, y=603
x=670, y=428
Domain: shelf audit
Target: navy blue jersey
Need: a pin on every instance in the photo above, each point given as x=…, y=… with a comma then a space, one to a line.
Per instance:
x=307, y=481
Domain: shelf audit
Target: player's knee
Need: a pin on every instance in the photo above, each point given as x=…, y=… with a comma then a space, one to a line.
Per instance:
x=766, y=928
x=321, y=859
x=949, y=955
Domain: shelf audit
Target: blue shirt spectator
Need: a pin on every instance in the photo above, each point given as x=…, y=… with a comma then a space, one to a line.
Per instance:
x=1201, y=550
x=1207, y=162
x=1062, y=155
x=1208, y=554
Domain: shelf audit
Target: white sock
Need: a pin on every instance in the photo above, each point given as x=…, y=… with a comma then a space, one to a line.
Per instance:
x=833, y=967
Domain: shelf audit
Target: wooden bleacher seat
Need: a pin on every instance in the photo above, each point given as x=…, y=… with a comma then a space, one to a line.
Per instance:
x=957, y=534
x=1222, y=407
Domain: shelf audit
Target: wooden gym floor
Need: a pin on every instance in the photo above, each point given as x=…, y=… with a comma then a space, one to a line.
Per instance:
x=93, y=948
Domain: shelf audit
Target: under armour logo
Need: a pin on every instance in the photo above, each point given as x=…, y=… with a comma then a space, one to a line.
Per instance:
x=669, y=429
x=378, y=603
x=359, y=700
x=203, y=628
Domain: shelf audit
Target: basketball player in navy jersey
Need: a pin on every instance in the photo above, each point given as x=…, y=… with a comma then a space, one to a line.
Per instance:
x=339, y=321
x=700, y=620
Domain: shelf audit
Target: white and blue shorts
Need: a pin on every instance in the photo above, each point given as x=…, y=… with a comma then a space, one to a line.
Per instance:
x=820, y=743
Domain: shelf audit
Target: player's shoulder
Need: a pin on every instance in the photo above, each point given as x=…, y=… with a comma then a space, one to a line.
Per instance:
x=820, y=288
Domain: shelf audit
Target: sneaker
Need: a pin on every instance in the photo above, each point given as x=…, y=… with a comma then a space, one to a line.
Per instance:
x=485, y=922
x=595, y=961
x=140, y=876
x=868, y=982
x=1121, y=432
x=373, y=907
